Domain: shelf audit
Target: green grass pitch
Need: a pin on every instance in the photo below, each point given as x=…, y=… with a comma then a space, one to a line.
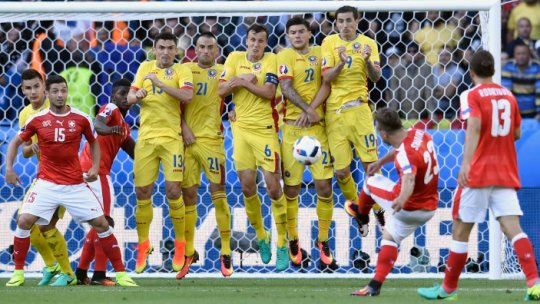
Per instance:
x=258, y=291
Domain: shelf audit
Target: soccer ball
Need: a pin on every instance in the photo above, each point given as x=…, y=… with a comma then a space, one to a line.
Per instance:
x=307, y=150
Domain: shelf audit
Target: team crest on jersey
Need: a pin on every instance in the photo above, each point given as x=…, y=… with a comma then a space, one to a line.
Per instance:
x=257, y=66
x=283, y=69
x=356, y=46
x=212, y=74
x=71, y=125
x=46, y=123
x=169, y=73
x=323, y=61
x=313, y=60
x=223, y=73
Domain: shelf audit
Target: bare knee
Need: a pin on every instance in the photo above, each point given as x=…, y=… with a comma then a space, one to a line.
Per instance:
x=324, y=188
x=190, y=195
x=26, y=221
x=216, y=188
x=173, y=190
x=343, y=174
x=461, y=231
x=144, y=193
x=248, y=181
x=274, y=187
x=99, y=224
x=510, y=226
x=291, y=191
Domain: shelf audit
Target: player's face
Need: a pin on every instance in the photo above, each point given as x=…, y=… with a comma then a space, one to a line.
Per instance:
x=34, y=90
x=346, y=24
x=206, y=50
x=165, y=51
x=57, y=94
x=256, y=43
x=299, y=36
x=383, y=135
x=119, y=98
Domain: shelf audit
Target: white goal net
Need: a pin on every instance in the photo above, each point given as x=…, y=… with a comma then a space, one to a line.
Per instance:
x=110, y=40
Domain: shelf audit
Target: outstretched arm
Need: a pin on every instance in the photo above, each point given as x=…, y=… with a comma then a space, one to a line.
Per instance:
x=11, y=176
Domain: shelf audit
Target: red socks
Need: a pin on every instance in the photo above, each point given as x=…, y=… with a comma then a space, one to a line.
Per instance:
x=20, y=250
x=525, y=255
x=385, y=262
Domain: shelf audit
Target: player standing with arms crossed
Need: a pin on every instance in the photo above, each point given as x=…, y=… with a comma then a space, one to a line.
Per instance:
x=161, y=86
x=488, y=177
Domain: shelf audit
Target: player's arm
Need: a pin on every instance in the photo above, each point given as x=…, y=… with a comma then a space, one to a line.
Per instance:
x=517, y=133
x=100, y=125
x=11, y=176
x=376, y=166
x=329, y=74
x=129, y=147
x=372, y=68
x=472, y=136
x=187, y=134
x=292, y=95
x=407, y=188
x=266, y=91
x=29, y=149
x=136, y=95
x=182, y=94
x=322, y=94
x=95, y=153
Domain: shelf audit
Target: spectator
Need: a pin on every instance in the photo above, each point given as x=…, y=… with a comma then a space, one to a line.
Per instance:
x=524, y=28
x=411, y=84
x=434, y=35
x=447, y=77
x=522, y=77
x=529, y=9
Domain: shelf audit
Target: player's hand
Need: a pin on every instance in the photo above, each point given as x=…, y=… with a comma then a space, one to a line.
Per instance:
x=313, y=116
x=91, y=175
x=342, y=52
x=35, y=148
x=397, y=204
x=232, y=115
x=366, y=52
x=249, y=78
x=235, y=82
x=12, y=178
x=373, y=168
x=153, y=78
x=140, y=94
x=302, y=121
x=188, y=136
x=463, y=175
x=117, y=130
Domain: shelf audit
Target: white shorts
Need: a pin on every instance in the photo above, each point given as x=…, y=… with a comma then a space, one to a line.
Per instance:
x=470, y=204
x=104, y=190
x=45, y=197
x=403, y=223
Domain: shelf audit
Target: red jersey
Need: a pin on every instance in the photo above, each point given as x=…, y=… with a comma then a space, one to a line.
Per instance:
x=109, y=144
x=416, y=155
x=494, y=162
x=59, y=139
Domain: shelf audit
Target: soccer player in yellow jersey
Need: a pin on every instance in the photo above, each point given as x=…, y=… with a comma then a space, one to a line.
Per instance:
x=251, y=79
x=349, y=60
x=203, y=137
x=299, y=73
x=161, y=86
x=47, y=240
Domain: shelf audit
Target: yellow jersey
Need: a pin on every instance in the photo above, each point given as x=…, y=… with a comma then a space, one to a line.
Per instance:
x=352, y=81
x=27, y=112
x=252, y=112
x=305, y=73
x=203, y=114
x=160, y=112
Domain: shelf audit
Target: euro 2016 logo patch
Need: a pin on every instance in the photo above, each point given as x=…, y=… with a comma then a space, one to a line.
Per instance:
x=257, y=66
x=223, y=74
x=212, y=74
x=313, y=60
x=323, y=61
x=169, y=73
x=356, y=46
x=283, y=69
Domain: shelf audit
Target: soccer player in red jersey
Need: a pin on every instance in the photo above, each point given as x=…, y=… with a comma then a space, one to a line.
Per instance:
x=60, y=179
x=488, y=177
x=114, y=133
x=413, y=199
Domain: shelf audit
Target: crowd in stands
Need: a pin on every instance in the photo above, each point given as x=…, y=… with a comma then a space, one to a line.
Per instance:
x=424, y=55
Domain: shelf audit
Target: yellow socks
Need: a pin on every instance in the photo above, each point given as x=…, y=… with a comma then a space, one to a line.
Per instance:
x=292, y=217
x=58, y=246
x=254, y=214
x=177, y=211
x=40, y=243
x=325, y=209
x=279, y=210
x=143, y=216
x=191, y=225
x=223, y=219
x=348, y=187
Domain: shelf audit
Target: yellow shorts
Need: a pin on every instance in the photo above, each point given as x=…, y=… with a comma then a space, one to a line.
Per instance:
x=293, y=171
x=61, y=210
x=209, y=155
x=256, y=148
x=150, y=152
x=351, y=126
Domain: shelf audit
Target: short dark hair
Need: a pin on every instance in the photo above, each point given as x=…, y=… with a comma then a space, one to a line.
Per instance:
x=297, y=21
x=54, y=79
x=120, y=83
x=257, y=28
x=204, y=34
x=483, y=63
x=30, y=74
x=388, y=120
x=164, y=36
x=348, y=9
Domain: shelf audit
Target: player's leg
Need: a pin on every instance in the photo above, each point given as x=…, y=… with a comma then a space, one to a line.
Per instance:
x=145, y=173
x=21, y=245
x=505, y=206
x=100, y=265
x=291, y=196
x=87, y=256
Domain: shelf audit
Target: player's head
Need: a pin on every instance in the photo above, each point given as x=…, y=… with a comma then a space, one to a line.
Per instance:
x=57, y=90
x=257, y=40
x=33, y=86
x=165, y=49
x=206, y=48
x=299, y=32
x=347, y=19
x=120, y=90
x=388, y=123
x=482, y=65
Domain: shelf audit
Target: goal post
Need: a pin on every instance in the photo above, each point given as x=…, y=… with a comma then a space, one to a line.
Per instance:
x=190, y=18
